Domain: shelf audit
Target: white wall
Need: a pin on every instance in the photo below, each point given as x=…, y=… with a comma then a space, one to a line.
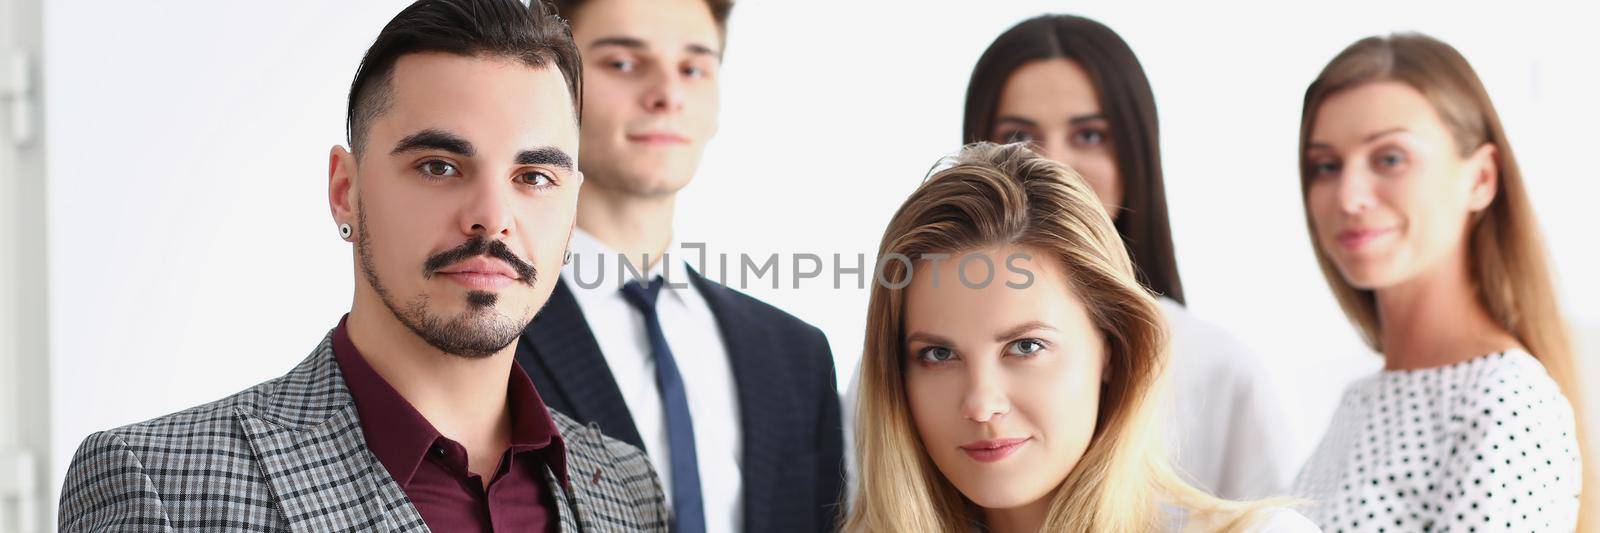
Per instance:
x=24, y=413
x=192, y=253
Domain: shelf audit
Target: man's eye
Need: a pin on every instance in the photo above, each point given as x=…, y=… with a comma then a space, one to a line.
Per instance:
x=620, y=65
x=536, y=179
x=438, y=169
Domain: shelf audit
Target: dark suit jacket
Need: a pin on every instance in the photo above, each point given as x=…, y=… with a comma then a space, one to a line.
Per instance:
x=793, y=464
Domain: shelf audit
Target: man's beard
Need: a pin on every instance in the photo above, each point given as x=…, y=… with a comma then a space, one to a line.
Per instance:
x=478, y=332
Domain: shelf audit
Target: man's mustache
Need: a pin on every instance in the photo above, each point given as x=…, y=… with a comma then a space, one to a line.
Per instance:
x=477, y=246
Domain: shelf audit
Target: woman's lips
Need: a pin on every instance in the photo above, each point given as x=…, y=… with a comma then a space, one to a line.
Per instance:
x=658, y=138
x=1356, y=239
x=989, y=451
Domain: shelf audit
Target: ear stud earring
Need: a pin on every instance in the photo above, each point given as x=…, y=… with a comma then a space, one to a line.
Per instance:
x=566, y=258
x=344, y=231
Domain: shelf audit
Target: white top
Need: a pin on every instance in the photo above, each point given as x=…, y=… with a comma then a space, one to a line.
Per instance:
x=1487, y=444
x=1229, y=429
x=696, y=342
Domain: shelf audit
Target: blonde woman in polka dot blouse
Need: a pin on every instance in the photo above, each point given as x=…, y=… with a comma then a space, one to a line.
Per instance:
x=1424, y=232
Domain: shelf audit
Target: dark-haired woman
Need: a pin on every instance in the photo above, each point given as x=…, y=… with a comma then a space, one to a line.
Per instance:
x=1073, y=89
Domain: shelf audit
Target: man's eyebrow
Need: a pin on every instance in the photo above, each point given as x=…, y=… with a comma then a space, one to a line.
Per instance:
x=618, y=40
x=635, y=43
x=434, y=139
x=702, y=50
x=545, y=155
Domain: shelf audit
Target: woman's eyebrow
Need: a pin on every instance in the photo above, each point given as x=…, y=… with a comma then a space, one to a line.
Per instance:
x=1080, y=119
x=927, y=338
x=1019, y=329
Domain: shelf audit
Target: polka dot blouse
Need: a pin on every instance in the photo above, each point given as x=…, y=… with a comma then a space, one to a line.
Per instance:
x=1487, y=444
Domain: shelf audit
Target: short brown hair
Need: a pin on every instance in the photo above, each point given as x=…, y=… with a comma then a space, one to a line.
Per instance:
x=720, y=9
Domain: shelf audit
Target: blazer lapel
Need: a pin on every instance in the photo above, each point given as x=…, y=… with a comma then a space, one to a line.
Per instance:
x=762, y=401
x=308, y=440
x=564, y=509
x=560, y=353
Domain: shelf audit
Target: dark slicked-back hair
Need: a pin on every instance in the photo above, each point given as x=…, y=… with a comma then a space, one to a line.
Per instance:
x=530, y=33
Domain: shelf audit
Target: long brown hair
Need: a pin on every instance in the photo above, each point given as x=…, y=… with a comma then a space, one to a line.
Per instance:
x=1008, y=195
x=1129, y=107
x=1509, y=269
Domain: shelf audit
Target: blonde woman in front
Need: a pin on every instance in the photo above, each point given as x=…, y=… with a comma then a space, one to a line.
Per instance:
x=1424, y=232
x=1011, y=365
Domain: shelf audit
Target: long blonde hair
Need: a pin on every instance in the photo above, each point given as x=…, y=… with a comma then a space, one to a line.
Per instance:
x=1509, y=271
x=1007, y=195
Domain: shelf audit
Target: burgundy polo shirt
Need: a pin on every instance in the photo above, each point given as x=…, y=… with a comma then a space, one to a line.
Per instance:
x=432, y=469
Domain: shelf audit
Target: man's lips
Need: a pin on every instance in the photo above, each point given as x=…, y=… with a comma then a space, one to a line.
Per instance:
x=480, y=273
x=988, y=451
x=657, y=137
x=1355, y=239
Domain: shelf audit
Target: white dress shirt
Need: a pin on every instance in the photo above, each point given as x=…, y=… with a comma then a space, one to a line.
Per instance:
x=696, y=342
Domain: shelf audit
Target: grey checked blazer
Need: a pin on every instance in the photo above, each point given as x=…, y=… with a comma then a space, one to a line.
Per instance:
x=289, y=455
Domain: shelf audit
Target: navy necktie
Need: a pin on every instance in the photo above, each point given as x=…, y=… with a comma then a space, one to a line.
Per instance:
x=688, y=514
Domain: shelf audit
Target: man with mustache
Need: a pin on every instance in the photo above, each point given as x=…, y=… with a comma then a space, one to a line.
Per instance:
x=458, y=193
x=733, y=399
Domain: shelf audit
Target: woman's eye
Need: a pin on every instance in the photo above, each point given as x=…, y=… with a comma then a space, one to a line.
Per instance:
x=536, y=179
x=435, y=168
x=936, y=354
x=1323, y=168
x=1090, y=137
x=1390, y=159
x=1025, y=347
x=694, y=72
x=1015, y=136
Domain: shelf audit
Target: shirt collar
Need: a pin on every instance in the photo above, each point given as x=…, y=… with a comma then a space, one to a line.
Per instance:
x=675, y=267
x=401, y=437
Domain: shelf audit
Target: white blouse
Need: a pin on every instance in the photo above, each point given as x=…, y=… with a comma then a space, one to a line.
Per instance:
x=1227, y=423
x=1487, y=444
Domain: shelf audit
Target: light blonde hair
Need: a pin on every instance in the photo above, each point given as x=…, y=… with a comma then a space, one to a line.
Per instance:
x=1510, y=273
x=1006, y=195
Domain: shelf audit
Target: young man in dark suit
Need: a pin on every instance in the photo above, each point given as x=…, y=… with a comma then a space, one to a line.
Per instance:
x=733, y=400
